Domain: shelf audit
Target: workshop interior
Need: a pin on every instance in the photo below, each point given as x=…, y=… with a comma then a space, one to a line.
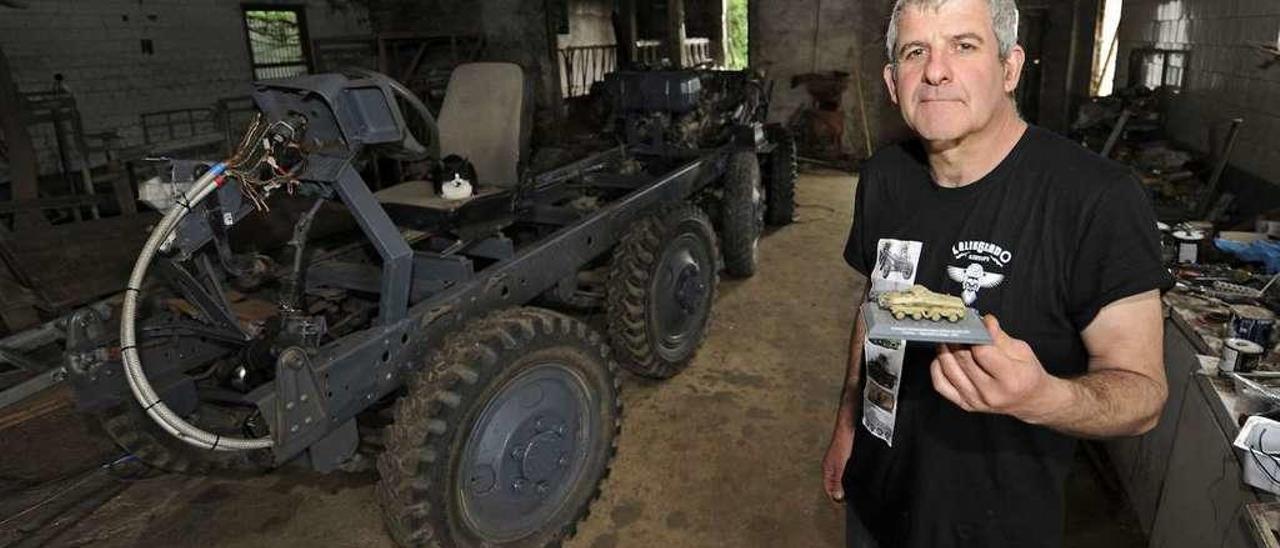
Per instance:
x=564, y=272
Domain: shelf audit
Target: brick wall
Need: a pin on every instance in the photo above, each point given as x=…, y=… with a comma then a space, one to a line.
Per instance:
x=515, y=31
x=200, y=54
x=1224, y=78
x=590, y=24
x=426, y=16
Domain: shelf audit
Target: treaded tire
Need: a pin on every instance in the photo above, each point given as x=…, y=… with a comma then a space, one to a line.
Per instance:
x=742, y=214
x=418, y=491
x=780, y=173
x=638, y=289
x=135, y=432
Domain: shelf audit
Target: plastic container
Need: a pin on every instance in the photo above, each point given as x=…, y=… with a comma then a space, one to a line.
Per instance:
x=1258, y=447
x=1239, y=356
x=1189, y=244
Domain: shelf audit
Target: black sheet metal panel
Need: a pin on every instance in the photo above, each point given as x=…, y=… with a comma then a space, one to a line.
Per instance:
x=660, y=91
x=359, y=112
x=1203, y=498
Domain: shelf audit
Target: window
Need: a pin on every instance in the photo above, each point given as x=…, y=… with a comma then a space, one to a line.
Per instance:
x=1157, y=67
x=736, y=34
x=582, y=66
x=277, y=41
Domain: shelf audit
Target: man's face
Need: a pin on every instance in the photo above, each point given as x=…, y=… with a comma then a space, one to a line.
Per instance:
x=950, y=81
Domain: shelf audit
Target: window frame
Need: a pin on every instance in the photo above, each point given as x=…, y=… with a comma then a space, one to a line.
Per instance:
x=1137, y=66
x=304, y=37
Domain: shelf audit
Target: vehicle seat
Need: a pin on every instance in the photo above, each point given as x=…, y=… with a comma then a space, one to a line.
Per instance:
x=486, y=118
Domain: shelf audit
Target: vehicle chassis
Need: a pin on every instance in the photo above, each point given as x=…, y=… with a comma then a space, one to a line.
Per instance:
x=318, y=390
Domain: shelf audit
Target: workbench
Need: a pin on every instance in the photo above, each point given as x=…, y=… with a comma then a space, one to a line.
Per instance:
x=1183, y=478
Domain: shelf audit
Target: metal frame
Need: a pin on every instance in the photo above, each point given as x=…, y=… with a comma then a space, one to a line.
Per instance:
x=360, y=369
x=318, y=390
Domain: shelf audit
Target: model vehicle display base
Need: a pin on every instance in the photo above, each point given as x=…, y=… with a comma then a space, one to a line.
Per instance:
x=882, y=325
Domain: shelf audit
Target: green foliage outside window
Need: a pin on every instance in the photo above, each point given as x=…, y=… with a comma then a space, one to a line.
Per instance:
x=736, y=29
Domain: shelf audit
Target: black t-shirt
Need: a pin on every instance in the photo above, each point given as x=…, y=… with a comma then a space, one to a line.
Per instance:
x=1056, y=233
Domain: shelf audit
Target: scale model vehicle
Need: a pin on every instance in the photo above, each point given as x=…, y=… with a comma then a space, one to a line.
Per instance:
x=918, y=303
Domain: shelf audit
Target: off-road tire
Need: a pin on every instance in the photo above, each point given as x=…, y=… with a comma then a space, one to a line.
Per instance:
x=135, y=432
x=631, y=294
x=417, y=491
x=780, y=174
x=742, y=214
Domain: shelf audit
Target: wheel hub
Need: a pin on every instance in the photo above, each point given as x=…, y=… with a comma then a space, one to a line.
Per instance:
x=690, y=288
x=526, y=450
x=544, y=454
x=680, y=295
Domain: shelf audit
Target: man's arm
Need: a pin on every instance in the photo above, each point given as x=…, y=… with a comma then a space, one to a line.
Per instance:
x=841, y=446
x=1121, y=395
x=1125, y=388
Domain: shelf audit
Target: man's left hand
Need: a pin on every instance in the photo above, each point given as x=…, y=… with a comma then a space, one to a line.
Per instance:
x=1004, y=377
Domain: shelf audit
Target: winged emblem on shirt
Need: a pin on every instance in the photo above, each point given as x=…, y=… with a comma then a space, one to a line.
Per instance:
x=973, y=278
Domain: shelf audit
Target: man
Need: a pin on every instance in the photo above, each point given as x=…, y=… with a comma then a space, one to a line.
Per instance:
x=1054, y=245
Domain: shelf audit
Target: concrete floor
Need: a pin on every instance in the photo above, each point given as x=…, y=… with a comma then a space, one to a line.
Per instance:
x=725, y=454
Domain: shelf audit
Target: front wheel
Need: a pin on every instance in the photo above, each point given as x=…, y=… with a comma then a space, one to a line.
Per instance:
x=504, y=438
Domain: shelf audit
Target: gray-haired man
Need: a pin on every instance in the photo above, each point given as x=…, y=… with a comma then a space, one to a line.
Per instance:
x=972, y=444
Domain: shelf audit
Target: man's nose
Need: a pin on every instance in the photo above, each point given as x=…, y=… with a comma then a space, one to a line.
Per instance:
x=937, y=69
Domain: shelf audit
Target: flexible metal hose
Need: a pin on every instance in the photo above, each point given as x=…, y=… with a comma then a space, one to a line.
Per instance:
x=138, y=383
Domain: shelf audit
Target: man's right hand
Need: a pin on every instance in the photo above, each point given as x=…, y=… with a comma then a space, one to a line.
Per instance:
x=833, y=464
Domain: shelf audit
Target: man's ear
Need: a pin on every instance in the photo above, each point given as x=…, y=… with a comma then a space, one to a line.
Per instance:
x=890, y=83
x=1013, y=68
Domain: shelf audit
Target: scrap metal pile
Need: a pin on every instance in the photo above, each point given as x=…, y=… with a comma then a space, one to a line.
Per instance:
x=1127, y=126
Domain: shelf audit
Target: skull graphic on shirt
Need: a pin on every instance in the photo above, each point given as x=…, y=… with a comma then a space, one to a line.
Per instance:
x=972, y=279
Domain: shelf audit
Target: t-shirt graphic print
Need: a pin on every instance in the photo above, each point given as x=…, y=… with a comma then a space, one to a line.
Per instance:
x=976, y=266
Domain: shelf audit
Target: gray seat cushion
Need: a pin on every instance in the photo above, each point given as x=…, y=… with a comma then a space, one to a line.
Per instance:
x=483, y=120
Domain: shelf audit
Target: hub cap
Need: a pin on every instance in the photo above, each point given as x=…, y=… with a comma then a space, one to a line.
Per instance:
x=526, y=451
x=679, y=306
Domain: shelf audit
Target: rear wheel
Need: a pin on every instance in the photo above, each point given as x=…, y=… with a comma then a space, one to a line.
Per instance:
x=742, y=214
x=135, y=432
x=662, y=283
x=503, y=439
x=187, y=318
